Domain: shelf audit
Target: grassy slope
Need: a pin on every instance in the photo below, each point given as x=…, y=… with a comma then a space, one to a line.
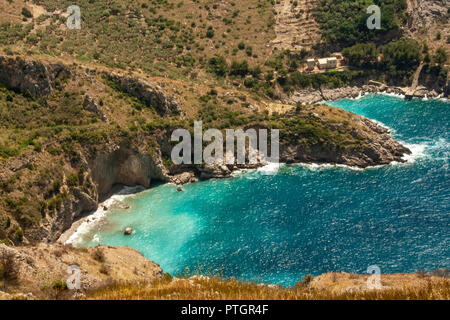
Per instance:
x=326, y=287
x=160, y=39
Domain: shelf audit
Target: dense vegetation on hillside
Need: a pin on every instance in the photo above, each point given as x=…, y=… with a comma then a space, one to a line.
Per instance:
x=344, y=22
x=193, y=40
x=397, y=60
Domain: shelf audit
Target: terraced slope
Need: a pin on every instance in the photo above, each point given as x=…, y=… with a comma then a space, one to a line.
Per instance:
x=296, y=27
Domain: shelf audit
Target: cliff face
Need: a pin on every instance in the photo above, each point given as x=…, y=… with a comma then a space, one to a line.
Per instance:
x=125, y=166
x=423, y=14
x=149, y=93
x=120, y=165
x=30, y=76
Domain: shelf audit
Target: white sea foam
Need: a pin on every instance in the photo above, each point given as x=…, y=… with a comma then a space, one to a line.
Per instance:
x=270, y=169
x=96, y=238
x=326, y=166
x=417, y=152
x=392, y=94
x=429, y=149
x=392, y=131
x=98, y=216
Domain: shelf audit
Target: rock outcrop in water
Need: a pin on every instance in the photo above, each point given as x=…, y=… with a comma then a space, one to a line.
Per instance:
x=126, y=166
x=379, y=148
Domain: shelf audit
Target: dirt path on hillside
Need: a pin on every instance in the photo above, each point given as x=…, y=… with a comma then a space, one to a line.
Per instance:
x=296, y=27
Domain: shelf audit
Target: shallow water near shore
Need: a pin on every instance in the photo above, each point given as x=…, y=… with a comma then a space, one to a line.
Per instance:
x=305, y=219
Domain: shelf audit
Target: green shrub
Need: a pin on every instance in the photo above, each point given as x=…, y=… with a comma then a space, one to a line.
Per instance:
x=72, y=180
x=362, y=55
x=26, y=13
x=59, y=285
x=250, y=82
x=210, y=33
x=218, y=65
x=239, y=68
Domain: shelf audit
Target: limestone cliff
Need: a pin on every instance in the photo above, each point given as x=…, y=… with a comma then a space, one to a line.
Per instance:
x=423, y=14
x=127, y=167
x=149, y=93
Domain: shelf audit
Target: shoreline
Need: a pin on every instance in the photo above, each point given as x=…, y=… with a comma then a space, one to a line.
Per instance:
x=113, y=200
x=80, y=228
x=120, y=192
x=357, y=92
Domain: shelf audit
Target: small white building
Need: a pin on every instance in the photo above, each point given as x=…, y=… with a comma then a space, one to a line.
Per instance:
x=331, y=63
x=323, y=63
x=311, y=63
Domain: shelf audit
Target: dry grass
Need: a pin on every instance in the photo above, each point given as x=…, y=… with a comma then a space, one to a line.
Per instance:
x=203, y=288
x=8, y=267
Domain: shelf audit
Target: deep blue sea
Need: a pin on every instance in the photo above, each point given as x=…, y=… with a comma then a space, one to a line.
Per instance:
x=306, y=219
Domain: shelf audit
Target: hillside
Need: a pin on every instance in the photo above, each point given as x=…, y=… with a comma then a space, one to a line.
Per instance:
x=296, y=27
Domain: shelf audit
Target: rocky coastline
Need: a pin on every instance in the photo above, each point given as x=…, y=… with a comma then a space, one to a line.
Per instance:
x=373, y=87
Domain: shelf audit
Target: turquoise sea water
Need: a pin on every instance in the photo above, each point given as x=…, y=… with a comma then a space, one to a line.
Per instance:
x=306, y=219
